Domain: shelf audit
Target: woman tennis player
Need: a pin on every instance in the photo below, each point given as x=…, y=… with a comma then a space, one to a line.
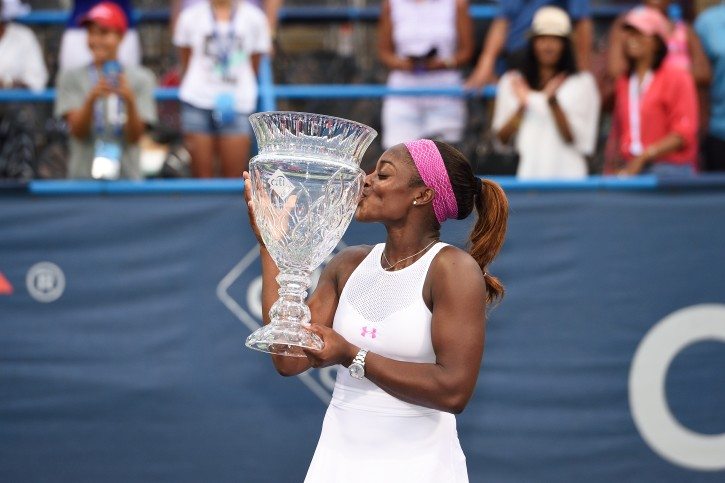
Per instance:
x=406, y=318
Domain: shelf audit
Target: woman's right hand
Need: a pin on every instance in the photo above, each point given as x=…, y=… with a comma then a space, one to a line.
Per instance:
x=553, y=85
x=276, y=218
x=521, y=88
x=250, y=207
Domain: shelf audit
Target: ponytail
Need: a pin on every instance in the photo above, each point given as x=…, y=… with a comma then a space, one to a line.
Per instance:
x=488, y=233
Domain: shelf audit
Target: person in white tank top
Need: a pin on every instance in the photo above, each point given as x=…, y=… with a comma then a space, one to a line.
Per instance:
x=424, y=43
x=405, y=319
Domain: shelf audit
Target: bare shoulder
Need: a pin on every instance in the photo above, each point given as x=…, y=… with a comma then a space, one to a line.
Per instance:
x=455, y=264
x=454, y=280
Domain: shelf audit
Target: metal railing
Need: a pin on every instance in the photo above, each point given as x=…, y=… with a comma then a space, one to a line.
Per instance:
x=269, y=92
x=235, y=186
x=308, y=14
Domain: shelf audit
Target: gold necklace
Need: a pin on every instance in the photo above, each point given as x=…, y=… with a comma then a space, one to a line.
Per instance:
x=391, y=265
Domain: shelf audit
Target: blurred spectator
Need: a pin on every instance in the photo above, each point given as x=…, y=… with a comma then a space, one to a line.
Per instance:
x=74, y=50
x=684, y=47
x=656, y=101
x=507, y=36
x=549, y=106
x=21, y=57
x=221, y=43
x=270, y=8
x=710, y=27
x=107, y=107
x=424, y=57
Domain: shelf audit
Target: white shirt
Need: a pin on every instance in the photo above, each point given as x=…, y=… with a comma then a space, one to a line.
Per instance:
x=420, y=25
x=204, y=80
x=542, y=150
x=21, y=58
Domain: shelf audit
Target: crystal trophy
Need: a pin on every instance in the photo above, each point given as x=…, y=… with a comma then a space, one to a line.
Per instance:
x=306, y=184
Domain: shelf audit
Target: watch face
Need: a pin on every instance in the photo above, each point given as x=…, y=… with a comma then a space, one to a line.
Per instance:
x=357, y=371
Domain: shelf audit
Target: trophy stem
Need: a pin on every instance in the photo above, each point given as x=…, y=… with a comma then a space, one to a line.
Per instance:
x=287, y=333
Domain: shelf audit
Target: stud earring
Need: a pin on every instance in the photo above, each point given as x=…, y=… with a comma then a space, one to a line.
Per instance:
x=415, y=202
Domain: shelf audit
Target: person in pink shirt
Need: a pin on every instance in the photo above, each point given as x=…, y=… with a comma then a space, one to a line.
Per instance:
x=656, y=102
x=683, y=45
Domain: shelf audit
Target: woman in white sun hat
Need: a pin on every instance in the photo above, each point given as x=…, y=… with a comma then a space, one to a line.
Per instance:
x=548, y=108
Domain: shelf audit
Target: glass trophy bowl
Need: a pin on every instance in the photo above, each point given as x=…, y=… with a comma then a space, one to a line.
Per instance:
x=306, y=184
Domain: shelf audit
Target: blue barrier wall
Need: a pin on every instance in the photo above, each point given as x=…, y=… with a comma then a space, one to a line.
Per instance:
x=123, y=316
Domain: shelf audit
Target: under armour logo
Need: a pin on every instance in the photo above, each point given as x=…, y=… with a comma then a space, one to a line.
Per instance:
x=373, y=332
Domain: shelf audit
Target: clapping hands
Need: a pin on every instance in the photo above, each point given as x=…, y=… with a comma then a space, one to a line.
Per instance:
x=521, y=88
x=553, y=85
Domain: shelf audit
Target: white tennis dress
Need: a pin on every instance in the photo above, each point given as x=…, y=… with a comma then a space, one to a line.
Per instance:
x=369, y=436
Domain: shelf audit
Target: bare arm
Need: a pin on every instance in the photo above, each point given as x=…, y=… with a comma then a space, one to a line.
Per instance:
x=135, y=126
x=518, y=86
x=256, y=58
x=492, y=48
x=184, y=56
x=322, y=303
x=386, y=49
x=464, y=27
x=584, y=41
x=616, y=60
x=562, y=124
x=701, y=70
x=457, y=331
x=668, y=144
x=512, y=125
x=271, y=9
x=175, y=11
x=287, y=366
x=80, y=121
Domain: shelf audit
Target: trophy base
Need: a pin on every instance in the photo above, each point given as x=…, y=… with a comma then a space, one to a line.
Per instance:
x=284, y=338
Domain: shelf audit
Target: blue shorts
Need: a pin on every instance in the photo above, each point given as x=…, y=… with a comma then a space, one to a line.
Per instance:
x=201, y=121
x=670, y=170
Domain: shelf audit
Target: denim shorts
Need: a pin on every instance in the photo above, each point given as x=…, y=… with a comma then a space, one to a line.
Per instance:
x=202, y=121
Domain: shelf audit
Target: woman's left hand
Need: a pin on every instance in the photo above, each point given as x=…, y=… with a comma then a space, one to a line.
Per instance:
x=336, y=349
x=634, y=167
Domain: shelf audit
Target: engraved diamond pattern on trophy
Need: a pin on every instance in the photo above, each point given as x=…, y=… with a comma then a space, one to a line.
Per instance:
x=306, y=184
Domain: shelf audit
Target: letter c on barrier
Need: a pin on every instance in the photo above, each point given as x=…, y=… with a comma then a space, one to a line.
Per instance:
x=647, y=396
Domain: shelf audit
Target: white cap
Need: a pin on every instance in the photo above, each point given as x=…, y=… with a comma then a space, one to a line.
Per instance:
x=13, y=8
x=550, y=21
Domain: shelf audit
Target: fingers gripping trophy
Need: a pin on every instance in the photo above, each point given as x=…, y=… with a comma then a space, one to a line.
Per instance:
x=306, y=182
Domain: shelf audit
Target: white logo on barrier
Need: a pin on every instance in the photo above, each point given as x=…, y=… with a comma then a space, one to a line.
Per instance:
x=321, y=385
x=45, y=282
x=647, y=396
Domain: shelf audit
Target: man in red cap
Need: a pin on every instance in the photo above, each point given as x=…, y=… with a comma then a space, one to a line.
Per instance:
x=74, y=44
x=107, y=107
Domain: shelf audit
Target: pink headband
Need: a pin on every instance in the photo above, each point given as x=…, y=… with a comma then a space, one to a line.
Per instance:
x=430, y=165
